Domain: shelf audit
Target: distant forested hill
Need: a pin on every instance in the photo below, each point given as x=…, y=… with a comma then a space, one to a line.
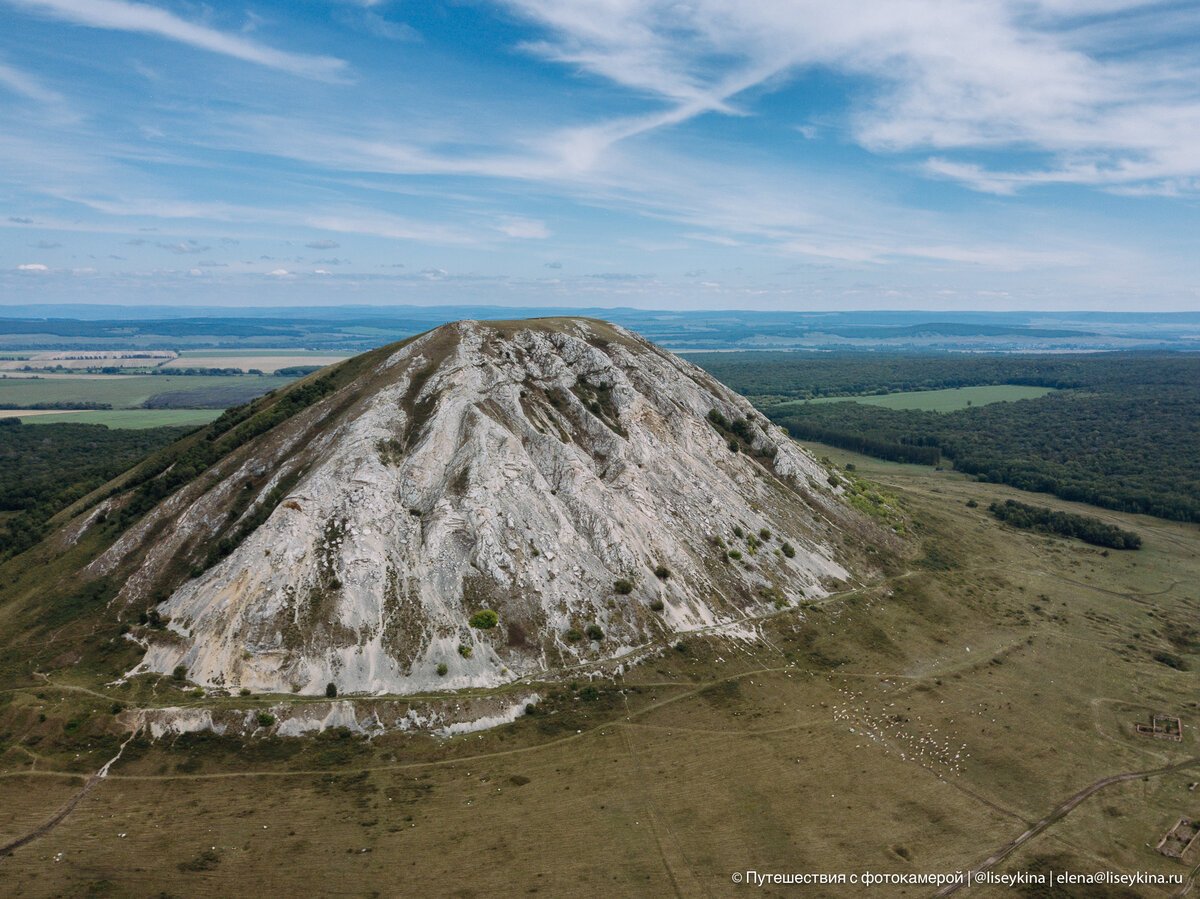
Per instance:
x=1122, y=431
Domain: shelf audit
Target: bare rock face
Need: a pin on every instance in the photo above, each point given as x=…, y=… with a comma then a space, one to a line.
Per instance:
x=590, y=489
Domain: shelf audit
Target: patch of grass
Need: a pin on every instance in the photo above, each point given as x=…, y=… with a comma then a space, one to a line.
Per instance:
x=949, y=400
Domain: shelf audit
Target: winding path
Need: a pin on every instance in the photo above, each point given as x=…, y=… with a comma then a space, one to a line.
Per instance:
x=1060, y=812
x=57, y=818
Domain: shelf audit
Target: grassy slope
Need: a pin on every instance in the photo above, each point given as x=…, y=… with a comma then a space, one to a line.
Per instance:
x=1035, y=652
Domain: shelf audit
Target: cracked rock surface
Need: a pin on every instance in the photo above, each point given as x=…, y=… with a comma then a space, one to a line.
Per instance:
x=523, y=468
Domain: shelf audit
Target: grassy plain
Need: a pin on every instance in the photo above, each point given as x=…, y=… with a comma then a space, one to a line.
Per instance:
x=266, y=360
x=949, y=400
x=115, y=418
x=122, y=391
x=914, y=724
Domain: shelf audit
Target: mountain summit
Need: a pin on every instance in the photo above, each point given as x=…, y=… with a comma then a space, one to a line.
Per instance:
x=481, y=502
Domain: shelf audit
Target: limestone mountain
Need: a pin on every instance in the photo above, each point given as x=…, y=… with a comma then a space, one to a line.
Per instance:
x=481, y=502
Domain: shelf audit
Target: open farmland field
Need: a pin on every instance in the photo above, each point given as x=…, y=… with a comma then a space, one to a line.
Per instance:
x=941, y=400
x=131, y=392
x=268, y=361
x=86, y=358
x=115, y=418
x=919, y=723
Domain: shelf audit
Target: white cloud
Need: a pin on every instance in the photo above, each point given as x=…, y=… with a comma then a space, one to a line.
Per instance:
x=117, y=15
x=32, y=267
x=322, y=244
x=280, y=273
x=1103, y=96
x=529, y=229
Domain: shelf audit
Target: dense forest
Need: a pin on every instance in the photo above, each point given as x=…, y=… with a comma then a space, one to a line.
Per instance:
x=1064, y=524
x=1122, y=431
x=45, y=468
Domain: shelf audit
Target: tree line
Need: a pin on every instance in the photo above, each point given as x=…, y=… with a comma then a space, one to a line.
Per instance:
x=1064, y=524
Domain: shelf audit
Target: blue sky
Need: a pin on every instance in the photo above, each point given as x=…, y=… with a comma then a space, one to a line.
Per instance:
x=786, y=154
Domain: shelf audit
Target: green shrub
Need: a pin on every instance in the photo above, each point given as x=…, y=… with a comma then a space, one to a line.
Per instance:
x=442, y=669
x=972, y=504
x=331, y=690
x=738, y=532
x=656, y=605
x=764, y=534
x=662, y=572
x=245, y=691
x=574, y=635
x=735, y=554
x=595, y=632
x=180, y=673
x=623, y=586
x=789, y=550
x=465, y=651
x=485, y=619
x=265, y=719
x=1171, y=661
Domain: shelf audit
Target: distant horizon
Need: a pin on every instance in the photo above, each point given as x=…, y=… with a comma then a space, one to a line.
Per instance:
x=61, y=310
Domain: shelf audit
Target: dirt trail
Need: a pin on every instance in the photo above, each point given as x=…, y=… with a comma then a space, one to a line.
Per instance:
x=57, y=818
x=1060, y=812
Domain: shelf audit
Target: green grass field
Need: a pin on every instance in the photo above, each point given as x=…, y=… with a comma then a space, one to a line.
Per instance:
x=939, y=400
x=124, y=418
x=122, y=391
x=916, y=723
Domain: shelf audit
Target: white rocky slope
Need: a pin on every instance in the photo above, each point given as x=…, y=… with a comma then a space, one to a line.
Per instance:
x=520, y=467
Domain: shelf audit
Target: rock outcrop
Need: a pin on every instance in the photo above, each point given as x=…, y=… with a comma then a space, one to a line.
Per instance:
x=592, y=490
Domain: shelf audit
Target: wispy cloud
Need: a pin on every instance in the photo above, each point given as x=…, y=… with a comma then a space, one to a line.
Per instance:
x=370, y=22
x=523, y=228
x=1050, y=75
x=25, y=85
x=185, y=247
x=117, y=15
x=340, y=220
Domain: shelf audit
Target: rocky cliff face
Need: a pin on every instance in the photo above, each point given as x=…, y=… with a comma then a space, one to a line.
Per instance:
x=593, y=491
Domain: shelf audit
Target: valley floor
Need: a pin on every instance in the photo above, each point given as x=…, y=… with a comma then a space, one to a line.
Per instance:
x=980, y=703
